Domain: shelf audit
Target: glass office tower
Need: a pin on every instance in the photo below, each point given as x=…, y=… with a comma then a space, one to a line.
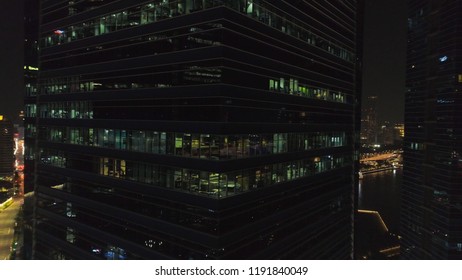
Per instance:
x=431, y=194
x=196, y=129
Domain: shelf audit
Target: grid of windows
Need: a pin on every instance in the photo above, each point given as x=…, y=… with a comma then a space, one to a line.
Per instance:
x=430, y=219
x=160, y=10
x=199, y=129
x=216, y=185
x=203, y=146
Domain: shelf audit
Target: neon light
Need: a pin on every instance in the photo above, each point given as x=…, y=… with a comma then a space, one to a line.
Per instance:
x=376, y=213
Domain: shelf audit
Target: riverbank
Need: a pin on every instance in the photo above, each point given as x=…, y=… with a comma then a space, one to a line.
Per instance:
x=380, y=169
x=379, y=191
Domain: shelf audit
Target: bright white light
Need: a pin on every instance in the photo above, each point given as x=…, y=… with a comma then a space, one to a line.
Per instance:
x=15, y=146
x=443, y=58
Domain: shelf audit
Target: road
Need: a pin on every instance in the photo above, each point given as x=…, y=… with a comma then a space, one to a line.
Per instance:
x=7, y=220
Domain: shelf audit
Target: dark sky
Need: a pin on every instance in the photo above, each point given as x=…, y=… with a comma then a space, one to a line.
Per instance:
x=384, y=56
x=11, y=61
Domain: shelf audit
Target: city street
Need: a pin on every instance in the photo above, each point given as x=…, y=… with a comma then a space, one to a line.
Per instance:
x=7, y=220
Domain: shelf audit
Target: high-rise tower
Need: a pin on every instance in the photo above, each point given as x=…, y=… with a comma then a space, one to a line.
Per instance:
x=431, y=194
x=370, y=125
x=6, y=148
x=31, y=23
x=196, y=129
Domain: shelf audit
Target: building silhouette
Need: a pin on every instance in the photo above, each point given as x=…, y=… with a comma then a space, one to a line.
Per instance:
x=431, y=201
x=6, y=148
x=369, y=122
x=31, y=37
x=31, y=48
x=196, y=130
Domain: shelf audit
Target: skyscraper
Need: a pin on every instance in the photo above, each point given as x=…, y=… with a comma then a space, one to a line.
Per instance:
x=370, y=125
x=431, y=192
x=196, y=129
x=31, y=47
x=31, y=28
x=6, y=148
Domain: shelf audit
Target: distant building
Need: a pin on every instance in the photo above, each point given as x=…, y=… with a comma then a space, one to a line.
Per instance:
x=431, y=208
x=31, y=35
x=369, y=122
x=6, y=148
x=398, y=133
x=21, y=115
x=31, y=39
x=386, y=134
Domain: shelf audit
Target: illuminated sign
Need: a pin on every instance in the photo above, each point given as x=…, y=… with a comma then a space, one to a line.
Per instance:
x=58, y=32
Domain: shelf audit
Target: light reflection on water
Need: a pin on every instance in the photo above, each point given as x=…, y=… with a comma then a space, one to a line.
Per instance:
x=380, y=191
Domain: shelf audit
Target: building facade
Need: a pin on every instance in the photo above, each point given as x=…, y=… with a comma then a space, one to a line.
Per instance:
x=31, y=47
x=31, y=34
x=196, y=130
x=431, y=193
x=6, y=148
x=369, y=122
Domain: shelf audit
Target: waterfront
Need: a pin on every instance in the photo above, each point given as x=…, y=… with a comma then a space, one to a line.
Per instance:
x=380, y=191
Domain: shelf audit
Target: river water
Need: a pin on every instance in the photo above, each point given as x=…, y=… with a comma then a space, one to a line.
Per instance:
x=380, y=191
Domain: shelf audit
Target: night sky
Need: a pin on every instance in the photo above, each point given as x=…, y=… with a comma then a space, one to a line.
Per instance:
x=384, y=56
x=384, y=66
x=11, y=58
